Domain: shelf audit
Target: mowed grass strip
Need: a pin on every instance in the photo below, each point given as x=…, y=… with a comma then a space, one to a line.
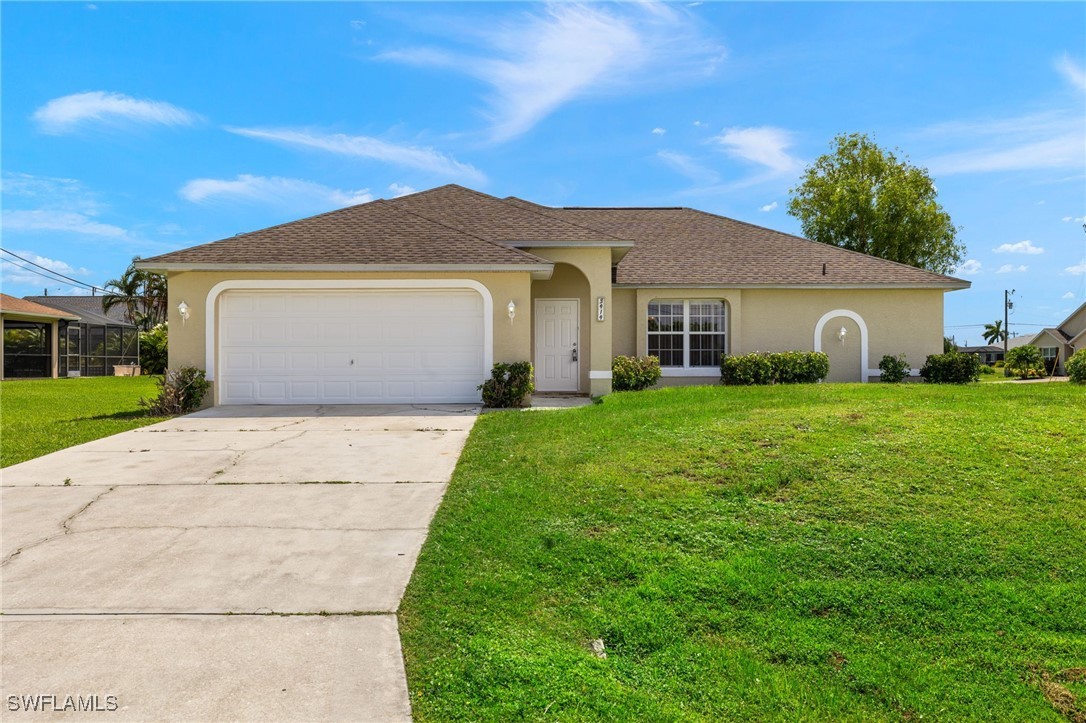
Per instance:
x=39, y=416
x=824, y=552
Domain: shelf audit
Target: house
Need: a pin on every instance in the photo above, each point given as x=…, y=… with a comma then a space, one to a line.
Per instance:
x=98, y=341
x=1058, y=343
x=30, y=340
x=988, y=354
x=413, y=299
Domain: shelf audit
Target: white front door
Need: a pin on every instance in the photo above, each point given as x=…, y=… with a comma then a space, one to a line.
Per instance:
x=557, y=332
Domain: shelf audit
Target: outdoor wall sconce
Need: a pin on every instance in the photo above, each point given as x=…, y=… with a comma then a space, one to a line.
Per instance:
x=183, y=310
x=841, y=334
x=512, y=311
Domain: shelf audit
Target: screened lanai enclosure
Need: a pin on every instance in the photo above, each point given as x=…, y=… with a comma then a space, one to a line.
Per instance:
x=100, y=340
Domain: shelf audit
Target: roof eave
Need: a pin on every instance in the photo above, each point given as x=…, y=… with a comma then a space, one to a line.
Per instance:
x=12, y=314
x=538, y=270
x=945, y=286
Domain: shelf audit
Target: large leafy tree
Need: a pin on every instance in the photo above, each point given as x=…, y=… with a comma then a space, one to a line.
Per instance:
x=863, y=198
x=994, y=332
x=141, y=293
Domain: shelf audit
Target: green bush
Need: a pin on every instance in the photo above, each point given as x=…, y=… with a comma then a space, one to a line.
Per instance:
x=998, y=364
x=632, y=374
x=985, y=369
x=509, y=385
x=180, y=391
x=1076, y=367
x=951, y=368
x=1026, y=362
x=799, y=367
x=760, y=368
x=747, y=370
x=154, y=349
x=893, y=369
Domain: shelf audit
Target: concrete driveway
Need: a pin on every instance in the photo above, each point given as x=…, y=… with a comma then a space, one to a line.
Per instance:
x=241, y=563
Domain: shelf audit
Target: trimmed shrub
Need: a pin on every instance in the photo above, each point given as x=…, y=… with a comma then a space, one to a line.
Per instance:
x=951, y=368
x=632, y=373
x=1026, y=362
x=154, y=349
x=799, y=367
x=1076, y=367
x=986, y=370
x=747, y=370
x=180, y=391
x=760, y=368
x=509, y=385
x=998, y=364
x=893, y=369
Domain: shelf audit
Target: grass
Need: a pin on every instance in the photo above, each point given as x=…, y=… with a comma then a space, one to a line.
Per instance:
x=825, y=552
x=39, y=416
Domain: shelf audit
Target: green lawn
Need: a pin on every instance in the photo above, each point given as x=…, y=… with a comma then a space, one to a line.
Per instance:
x=38, y=416
x=824, y=552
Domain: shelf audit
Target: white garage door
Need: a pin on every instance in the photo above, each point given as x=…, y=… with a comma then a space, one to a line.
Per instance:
x=350, y=347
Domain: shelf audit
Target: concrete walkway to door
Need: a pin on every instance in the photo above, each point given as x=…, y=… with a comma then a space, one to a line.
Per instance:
x=240, y=563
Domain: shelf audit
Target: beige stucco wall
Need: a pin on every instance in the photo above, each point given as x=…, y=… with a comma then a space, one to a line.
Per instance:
x=908, y=321
x=594, y=265
x=512, y=340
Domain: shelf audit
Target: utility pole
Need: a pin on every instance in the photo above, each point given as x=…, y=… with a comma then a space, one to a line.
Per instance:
x=1007, y=306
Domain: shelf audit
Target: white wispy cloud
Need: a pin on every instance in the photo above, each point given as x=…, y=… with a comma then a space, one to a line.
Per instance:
x=1022, y=247
x=1011, y=268
x=1037, y=141
x=699, y=124
x=546, y=58
x=289, y=192
x=972, y=267
x=1077, y=269
x=1072, y=72
x=764, y=146
x=768, y=207
x=659, y=131
x=64, y=221
x=1068, y=295
x=69, y=112
x=400, y=189
x=1076, y=219
x=686, y=166
x=421, y=158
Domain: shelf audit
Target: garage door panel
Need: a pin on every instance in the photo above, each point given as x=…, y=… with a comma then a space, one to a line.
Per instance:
x=359, y=346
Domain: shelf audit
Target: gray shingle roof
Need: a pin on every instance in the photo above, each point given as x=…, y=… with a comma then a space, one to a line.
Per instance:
x=379, y=232
x=456, y=225
x=87, y=308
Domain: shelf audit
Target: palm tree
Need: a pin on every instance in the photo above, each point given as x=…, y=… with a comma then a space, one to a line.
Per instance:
x=994, y=332
x=141, y=293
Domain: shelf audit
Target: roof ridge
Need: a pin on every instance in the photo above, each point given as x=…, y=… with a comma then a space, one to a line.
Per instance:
x=812, y=241
x=593, y=229
x=466, y=233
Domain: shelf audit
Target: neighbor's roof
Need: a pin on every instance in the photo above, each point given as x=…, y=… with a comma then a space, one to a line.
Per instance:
x=88, y=308
x=15, y=305
x=451, y=225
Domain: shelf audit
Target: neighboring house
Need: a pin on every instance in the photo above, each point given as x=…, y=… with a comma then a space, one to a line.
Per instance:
x=413, y=299
x=30, y=340
x=989, y=354
x=99, y=340
x=1058, y=343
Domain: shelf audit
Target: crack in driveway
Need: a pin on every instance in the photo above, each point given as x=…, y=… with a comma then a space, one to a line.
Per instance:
x=64, y=525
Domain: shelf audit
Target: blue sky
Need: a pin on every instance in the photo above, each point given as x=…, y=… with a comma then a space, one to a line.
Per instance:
x=137, y=128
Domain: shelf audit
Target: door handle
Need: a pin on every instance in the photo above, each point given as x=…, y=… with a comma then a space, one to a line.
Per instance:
x=574, y=354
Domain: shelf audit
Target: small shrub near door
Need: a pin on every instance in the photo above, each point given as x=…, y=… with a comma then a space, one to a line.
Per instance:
x=1076, y=367
x=509, y=385
x=632, y=373
x=1026, y=362
x=788, y=367
x=180, y=391
x=893, y=369
x=154, y=349
x=951, y=368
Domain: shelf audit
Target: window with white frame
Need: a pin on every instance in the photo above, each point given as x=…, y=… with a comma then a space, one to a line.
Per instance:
x=1049, y=353
x=688, y=333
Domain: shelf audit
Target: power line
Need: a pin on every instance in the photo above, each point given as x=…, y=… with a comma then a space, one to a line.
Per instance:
x=45, y=275
x=54, y=273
